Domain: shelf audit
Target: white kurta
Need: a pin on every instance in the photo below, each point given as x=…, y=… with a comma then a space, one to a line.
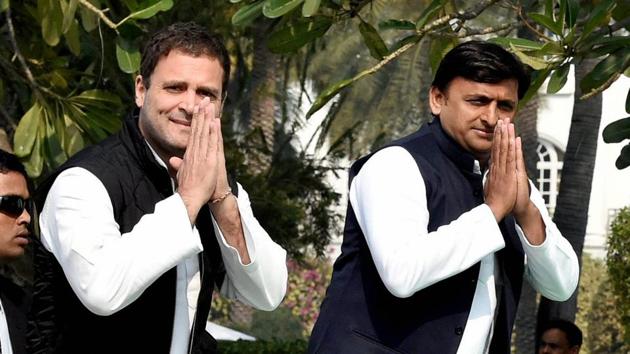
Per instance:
x=108, y=270
x=389, y=199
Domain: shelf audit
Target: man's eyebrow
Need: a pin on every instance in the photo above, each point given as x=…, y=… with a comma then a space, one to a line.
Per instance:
x=173, y=83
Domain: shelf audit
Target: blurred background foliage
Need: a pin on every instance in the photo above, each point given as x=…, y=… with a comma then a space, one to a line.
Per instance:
x=360, y=69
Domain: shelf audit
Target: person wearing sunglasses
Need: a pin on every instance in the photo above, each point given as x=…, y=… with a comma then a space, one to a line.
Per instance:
x=14, y=237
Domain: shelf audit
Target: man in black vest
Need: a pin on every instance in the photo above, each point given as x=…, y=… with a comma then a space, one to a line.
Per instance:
x=440, y=222
x=14, y=233
x=145, y=224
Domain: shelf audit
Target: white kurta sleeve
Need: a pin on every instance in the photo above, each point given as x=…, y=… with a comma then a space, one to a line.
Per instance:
x=389, y=200
x=552, y=267
x=263, y=282
x=106, y=269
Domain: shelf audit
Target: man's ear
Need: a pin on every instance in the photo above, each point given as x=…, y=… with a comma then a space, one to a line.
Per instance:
x=437, y=99
x=140, y=91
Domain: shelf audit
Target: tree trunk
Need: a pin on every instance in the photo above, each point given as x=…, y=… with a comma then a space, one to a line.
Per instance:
x=525, y=323
x=266, y=67
x=571, y=213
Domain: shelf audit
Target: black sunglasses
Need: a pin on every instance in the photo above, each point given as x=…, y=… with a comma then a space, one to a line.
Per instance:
x=13, y=205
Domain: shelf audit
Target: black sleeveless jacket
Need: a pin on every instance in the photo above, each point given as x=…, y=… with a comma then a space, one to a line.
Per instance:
x=135, y=182
x=359, y=314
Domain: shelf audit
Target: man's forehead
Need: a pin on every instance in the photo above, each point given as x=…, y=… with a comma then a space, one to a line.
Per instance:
x=507, y=87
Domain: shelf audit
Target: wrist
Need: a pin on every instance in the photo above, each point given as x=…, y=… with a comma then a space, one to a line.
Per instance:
x=221, y=197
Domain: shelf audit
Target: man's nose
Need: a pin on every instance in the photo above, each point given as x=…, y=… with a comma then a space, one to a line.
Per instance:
x=25, y=217
x=491, y=115
x=189, y=100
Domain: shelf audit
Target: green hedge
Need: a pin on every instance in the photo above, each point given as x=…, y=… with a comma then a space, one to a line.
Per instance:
x=263, y=347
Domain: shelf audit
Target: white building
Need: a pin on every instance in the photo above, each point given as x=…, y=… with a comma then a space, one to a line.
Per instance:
x=611, y=187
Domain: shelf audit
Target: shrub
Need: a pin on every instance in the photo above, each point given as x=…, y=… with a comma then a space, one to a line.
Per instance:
x=618, y=262
x=263, y=347
x=597, y=315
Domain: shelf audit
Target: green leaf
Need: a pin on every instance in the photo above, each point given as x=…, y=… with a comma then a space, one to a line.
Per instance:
x=538, y=78
x=559, y=18
x=613, y=64
x=623, y=160
x=52, y=19
x=35, y=162
x=73, y=40
x=439, y=47
x=75, y=142
x=327, y=95
x=89, y=20
x=26, y=131
x=606, y=45
x=621, y=12
x=100, y=98
x=277, y=8
x=546, y=22
x=127, y=55
x=549, y=8
x=572, y=12
x=373, y=40
x=68, y=10
x=55, y=155
x=310, y=7
x=559, y=78
x=518, y=43
x=4, y=4
x=235, y=1
x=535, y=63
x=429, y=12
x=599, y=16
x=149, y=11
x=549, y=48
x=248, y=13
x=617, y=131
x=396, y=24
x=294, y=35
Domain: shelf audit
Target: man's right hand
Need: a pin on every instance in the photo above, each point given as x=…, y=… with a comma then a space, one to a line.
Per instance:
x=501, y=183
x=197, y=171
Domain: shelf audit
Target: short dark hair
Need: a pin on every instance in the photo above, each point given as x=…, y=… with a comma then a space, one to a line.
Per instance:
x=10, y=162
x=573, y=332
x=188, y=38
x=481, y=62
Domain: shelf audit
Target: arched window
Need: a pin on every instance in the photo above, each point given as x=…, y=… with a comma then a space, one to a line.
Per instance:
x=549, y=172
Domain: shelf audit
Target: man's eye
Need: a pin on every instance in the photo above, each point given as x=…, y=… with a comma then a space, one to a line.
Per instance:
x=210, y=95
x=174, y=89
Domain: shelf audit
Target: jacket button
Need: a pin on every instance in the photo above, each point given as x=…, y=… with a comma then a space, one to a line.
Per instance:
x=459, y=331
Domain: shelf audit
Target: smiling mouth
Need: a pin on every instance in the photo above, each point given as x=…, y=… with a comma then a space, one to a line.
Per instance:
x=183, y=122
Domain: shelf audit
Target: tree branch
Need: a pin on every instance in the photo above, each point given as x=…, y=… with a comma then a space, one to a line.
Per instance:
x=468, y=32
x=462, y=15
x=601, y=88
x=100, y=13
x=27, y=71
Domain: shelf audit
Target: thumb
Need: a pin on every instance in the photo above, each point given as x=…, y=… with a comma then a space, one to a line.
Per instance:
x=175, y=163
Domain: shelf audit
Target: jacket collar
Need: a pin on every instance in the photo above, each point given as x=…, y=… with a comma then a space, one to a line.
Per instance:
x=462, y=158
x=137, y=145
